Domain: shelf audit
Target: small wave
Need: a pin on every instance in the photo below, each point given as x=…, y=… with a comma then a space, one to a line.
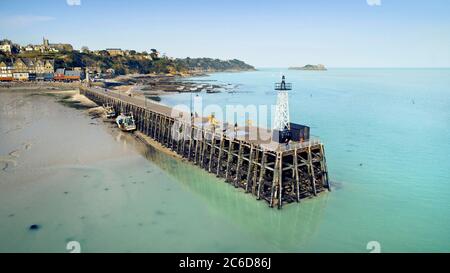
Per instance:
x=336, y=185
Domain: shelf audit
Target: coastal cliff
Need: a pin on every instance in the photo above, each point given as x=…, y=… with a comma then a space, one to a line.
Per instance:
x=132, y=64
x=213, y=65
x=319, y=67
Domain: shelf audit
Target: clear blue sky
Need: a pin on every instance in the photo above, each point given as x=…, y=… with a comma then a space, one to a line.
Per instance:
x=338, y=33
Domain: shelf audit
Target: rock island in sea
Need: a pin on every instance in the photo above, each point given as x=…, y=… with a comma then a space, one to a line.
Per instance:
x=312, y=67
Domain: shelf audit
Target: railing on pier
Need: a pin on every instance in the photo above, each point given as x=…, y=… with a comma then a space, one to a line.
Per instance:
x=300, y=145
x=283, y=86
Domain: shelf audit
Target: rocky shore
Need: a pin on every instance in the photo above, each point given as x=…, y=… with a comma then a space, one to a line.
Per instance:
x=151, y=86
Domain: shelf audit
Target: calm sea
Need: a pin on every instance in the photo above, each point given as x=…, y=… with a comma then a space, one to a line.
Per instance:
x=387, y=137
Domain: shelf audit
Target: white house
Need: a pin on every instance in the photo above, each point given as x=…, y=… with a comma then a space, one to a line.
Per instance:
x=6, y=71
x=21, y=76
x=7, y=48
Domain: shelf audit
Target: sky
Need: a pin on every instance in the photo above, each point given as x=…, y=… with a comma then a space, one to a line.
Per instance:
x=264, y=33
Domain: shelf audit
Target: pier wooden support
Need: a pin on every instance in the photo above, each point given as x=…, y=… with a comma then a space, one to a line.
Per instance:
x=249, y=169
x=275, y=191
x=204, y=148
x=324, y=168
x=262, y=173
x=254, y=178
x=212, y=151
x=311, y=172
x=296, y=176
x=219, y=159
x=237, y=178
x=230, y=157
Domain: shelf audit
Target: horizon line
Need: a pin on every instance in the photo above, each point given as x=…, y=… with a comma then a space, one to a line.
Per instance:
x=361, y=67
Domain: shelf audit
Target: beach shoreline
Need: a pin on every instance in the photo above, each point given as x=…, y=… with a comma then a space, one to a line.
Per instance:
x=30, y=86
x=152, y=86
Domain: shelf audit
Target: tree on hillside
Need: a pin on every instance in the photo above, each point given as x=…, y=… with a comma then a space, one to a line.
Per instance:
x=154, y=54
x=3, y=57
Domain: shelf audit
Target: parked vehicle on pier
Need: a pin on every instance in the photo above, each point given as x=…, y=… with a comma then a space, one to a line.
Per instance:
x=126, y=122
x=109, y=110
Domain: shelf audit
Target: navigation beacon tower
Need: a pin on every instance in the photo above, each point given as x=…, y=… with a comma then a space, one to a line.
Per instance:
x=284, y=130
x=282, y=118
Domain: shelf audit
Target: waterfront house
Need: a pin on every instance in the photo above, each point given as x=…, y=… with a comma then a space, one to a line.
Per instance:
x=5, y=69
x=73, y=73
x=22, y=69
x=60, y=72
x=6, y=72
x=36, y=69
x=30, y=65
x=44, y=70
x=20, y=66
x=21, y=76
x=67, y=75
x=39, y=66
x=48, y=67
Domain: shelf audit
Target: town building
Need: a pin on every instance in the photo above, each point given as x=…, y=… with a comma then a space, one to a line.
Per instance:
x=6, y=72
x=61, y=47
x=115, y=52
x=46, y=47
x=27, y=69
x=35, y=66
x=21, y=76
x=28, y=48
x=60, y=72
x=49, y=66
x=6, y=48
x=68, y=75
x=20, y=66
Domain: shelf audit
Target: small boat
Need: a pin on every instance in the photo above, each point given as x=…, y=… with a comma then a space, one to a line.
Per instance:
x=109, y=110
x=126, y=122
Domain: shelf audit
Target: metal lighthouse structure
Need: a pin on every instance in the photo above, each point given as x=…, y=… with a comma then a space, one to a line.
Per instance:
x=282, y=118
x=282, y=127
x=284, y=130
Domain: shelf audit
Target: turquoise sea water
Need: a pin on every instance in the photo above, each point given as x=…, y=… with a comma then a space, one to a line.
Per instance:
x=396, y=123
x=85, y=181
